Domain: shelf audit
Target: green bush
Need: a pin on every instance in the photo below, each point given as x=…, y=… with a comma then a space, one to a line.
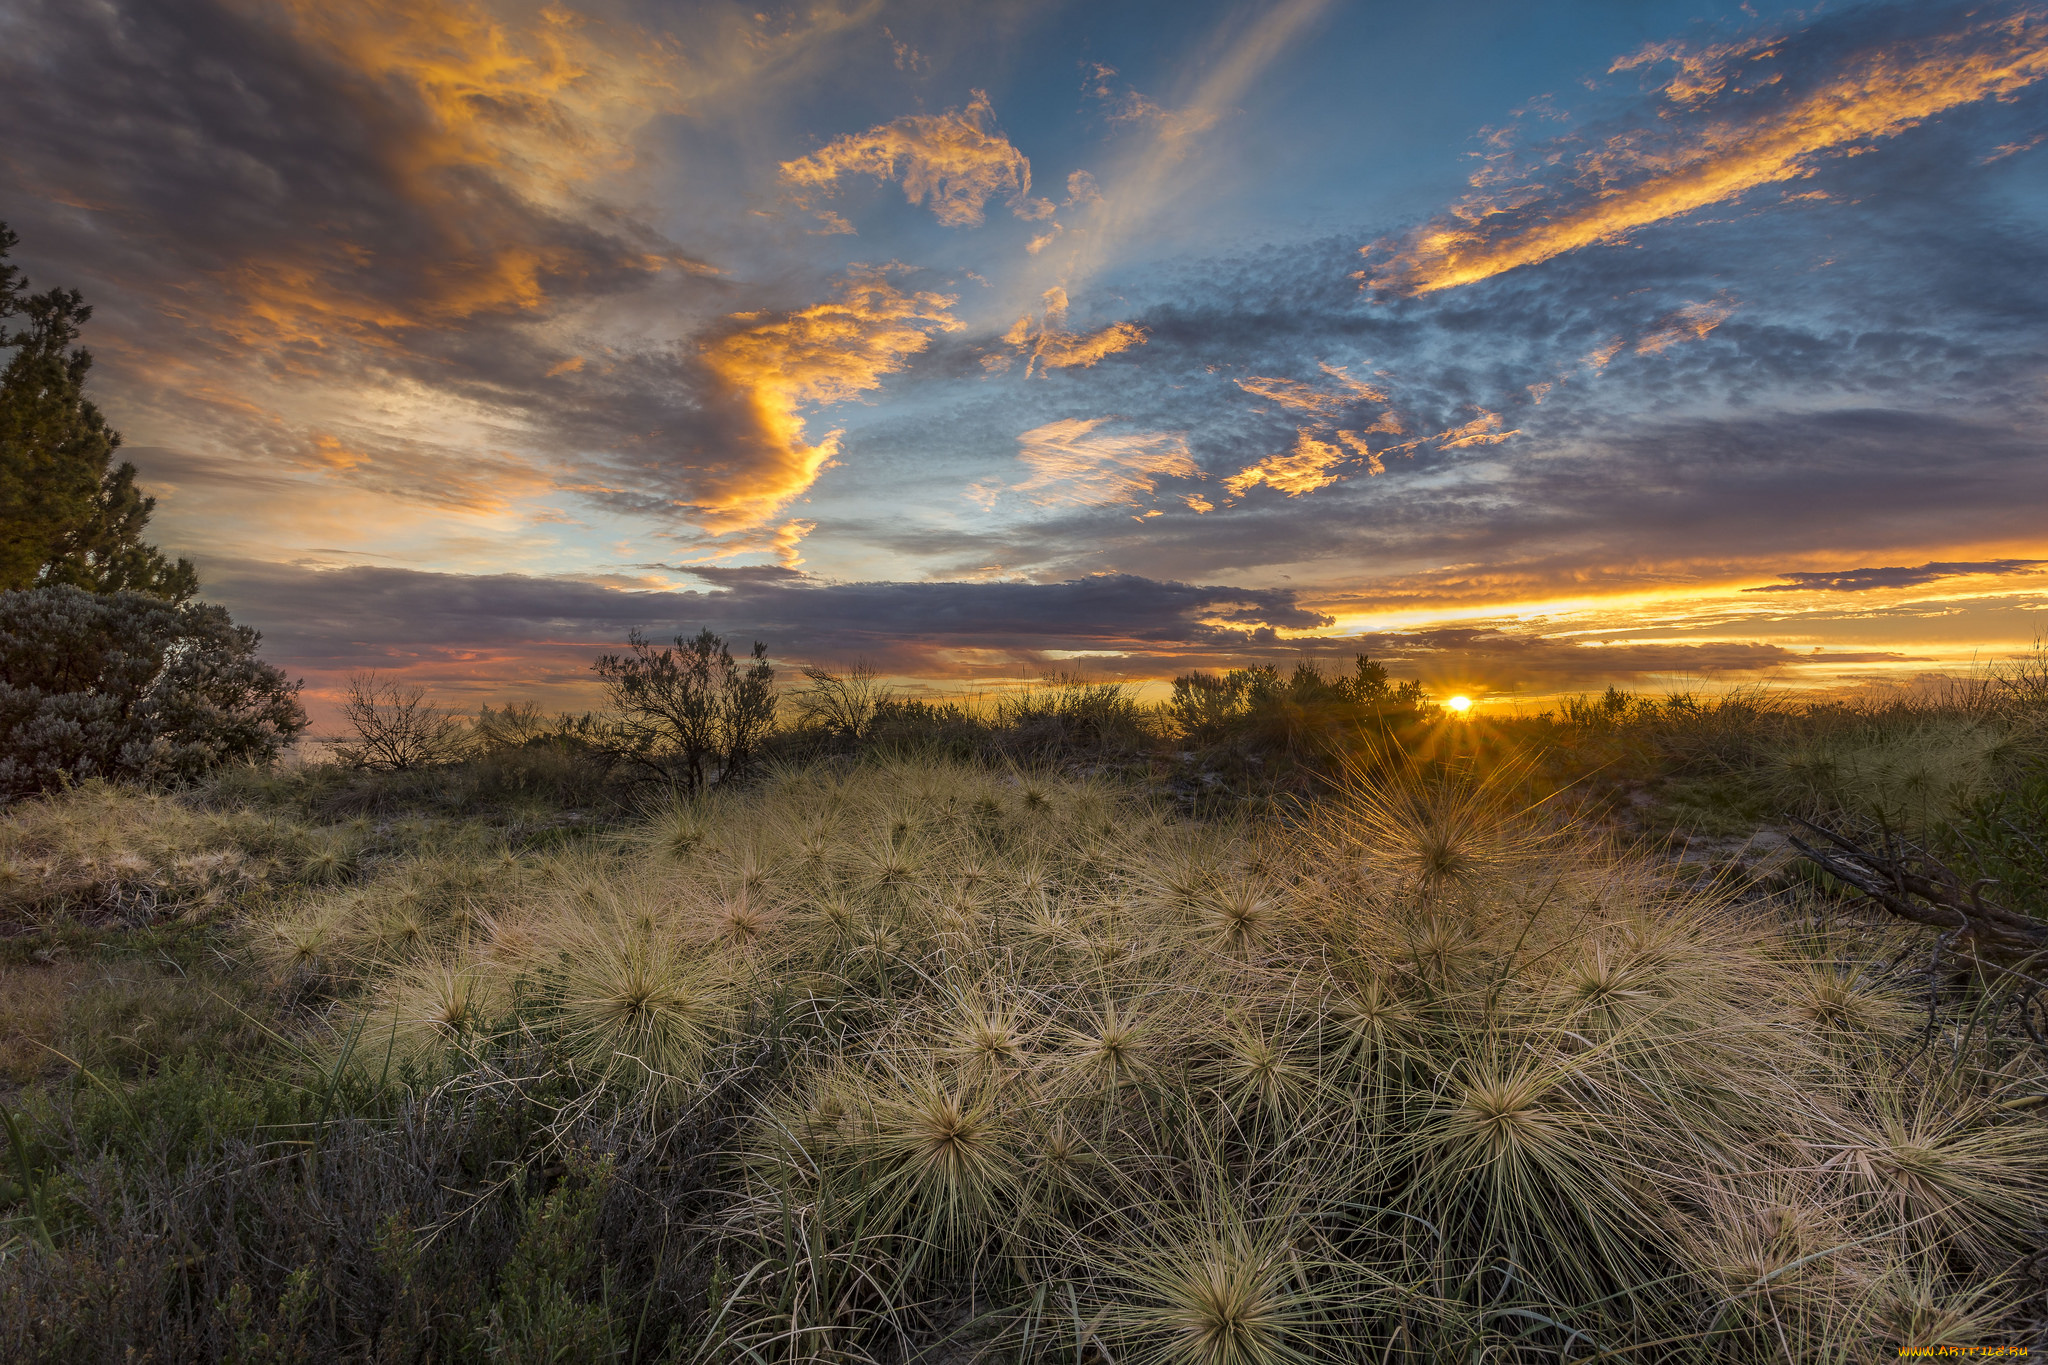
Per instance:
x=130, y=687
x=1295, y=714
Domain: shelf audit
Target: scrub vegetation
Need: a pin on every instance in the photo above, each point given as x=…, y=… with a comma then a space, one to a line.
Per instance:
x=1290, y=1021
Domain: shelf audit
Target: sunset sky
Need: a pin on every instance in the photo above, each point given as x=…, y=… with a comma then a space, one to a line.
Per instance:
x=1530, y=345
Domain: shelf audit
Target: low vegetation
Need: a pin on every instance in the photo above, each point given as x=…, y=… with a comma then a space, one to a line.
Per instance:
x=1065, y=1032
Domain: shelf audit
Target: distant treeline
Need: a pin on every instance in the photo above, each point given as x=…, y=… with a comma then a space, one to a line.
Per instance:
x=691, y=715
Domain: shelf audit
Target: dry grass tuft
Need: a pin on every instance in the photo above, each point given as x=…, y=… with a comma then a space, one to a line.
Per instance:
x=994, y=1061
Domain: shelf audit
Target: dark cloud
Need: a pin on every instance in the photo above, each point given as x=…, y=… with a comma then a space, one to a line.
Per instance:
x=1507, y=661
x=332, y=621
x=473, y=634
x=289, y=213
x=731, y=575
x=1863, y=580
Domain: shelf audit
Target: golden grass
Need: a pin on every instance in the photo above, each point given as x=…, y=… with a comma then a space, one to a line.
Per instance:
x=1420, y=1078
x=112, y=852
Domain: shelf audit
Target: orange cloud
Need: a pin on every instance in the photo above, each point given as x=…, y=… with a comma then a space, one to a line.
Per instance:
x=1310, y=464
x=958, y=160
x=1300, y=397
x=768, y=369
x=1689, y=323
x=1048, y=346
x=788, y=536
x=1318, y=449
x=330, y=453
x=542, y=105
x=1483, y=430
x=1649, y=176
x=1702, y=73
x=783, y=541
x=1071, y=462
x=534, y=108
x=2006, y=149
x=1363, y=450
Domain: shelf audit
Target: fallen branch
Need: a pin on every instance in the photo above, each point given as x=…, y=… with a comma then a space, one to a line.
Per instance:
x=1939, y=901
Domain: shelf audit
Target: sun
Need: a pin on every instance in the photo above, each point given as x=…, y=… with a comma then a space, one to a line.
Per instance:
x=1460, y=704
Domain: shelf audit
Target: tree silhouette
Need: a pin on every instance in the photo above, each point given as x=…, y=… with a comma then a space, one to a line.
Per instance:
x=68, y=515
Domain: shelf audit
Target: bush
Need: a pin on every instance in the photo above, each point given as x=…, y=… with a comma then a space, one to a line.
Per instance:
x=689, y=715
x=841, y=706
x=396, y=728
x=1071, y=714
x=1259, y=707
x=125, y=686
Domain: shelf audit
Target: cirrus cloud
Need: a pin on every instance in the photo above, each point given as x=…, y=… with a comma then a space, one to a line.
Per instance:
x=1072, y=461
x=1736, y=117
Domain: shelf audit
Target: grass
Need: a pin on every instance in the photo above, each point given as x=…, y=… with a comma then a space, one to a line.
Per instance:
x=904, y=1053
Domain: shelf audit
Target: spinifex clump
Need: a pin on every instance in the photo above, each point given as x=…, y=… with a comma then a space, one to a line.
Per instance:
x=1028, y=1066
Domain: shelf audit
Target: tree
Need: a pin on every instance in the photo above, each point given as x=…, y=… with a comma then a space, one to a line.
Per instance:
x=1367, y=685
x=67, y=514
x=128, y=686
x=686, y=711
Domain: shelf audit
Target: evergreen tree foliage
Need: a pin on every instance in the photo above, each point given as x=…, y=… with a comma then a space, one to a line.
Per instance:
x=126, y=685
x=68, y=515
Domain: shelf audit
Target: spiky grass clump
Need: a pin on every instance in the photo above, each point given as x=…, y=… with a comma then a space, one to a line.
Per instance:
x=1906, y=775
x=1004, y=1062
x=636, y=1007
x=1221, y=1295
x=436, y=1012
x=101, y=852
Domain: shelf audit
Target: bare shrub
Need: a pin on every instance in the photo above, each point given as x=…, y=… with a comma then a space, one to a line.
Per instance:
x=396, y=727
x=2023, y=682
x=844, y=705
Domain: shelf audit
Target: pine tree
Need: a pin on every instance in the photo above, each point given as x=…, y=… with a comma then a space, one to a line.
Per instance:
x=68, y=515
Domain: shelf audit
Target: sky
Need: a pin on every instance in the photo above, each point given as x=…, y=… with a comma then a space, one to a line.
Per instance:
x=1532, y=347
